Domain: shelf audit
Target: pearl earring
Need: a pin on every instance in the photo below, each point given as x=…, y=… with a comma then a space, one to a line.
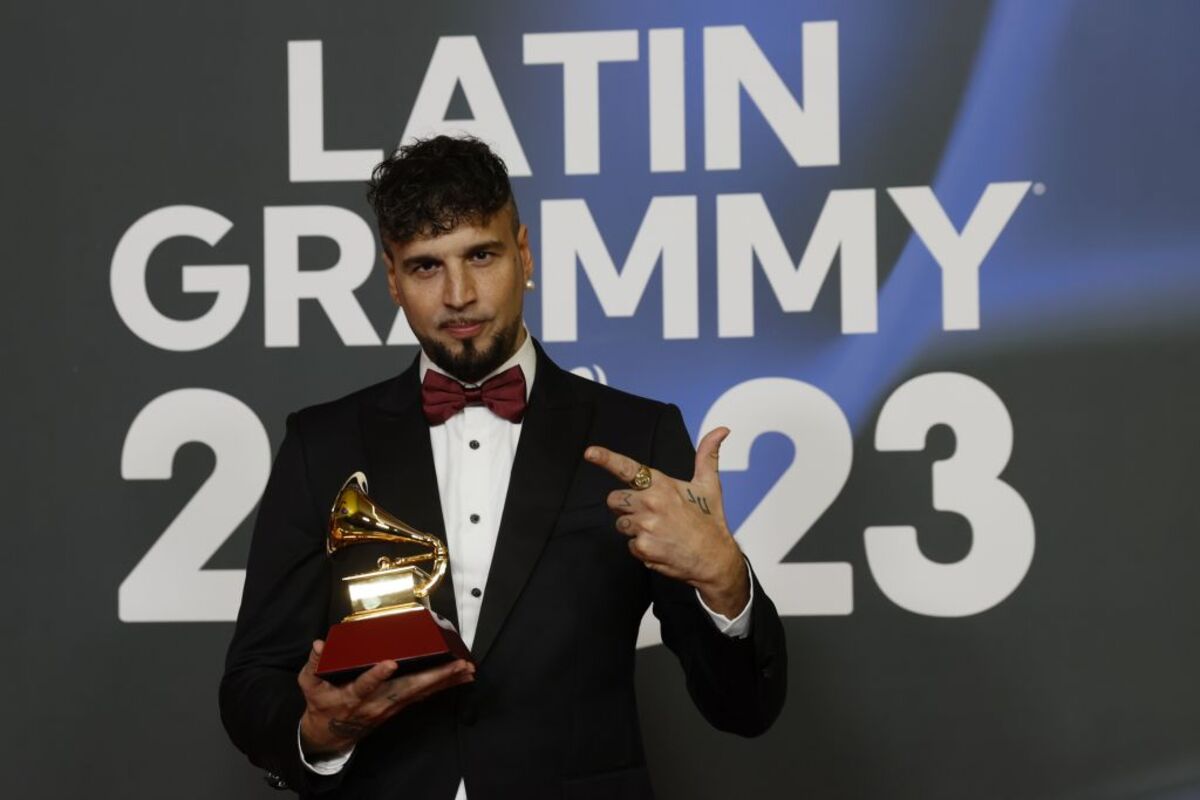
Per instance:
x=530, y=285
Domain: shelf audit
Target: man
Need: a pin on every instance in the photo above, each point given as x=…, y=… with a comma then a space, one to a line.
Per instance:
x=486, y=443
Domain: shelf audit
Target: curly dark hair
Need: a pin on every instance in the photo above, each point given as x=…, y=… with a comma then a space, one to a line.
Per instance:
x=431, y=186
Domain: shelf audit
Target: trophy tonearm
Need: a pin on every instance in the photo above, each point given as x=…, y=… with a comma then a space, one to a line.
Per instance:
x=397, y=585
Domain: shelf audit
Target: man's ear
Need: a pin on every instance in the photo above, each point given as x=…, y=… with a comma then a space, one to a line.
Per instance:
x=526, y=253
x=393, y=285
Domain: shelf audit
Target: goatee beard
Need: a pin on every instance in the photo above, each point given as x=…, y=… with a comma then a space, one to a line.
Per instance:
x=474, y=363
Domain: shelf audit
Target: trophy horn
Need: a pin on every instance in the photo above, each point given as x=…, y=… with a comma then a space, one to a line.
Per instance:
x=356, y=519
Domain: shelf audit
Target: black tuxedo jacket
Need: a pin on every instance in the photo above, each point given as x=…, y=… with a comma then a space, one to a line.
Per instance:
x=552, y=712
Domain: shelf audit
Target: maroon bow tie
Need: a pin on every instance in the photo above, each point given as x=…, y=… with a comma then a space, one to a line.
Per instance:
x=504, y=395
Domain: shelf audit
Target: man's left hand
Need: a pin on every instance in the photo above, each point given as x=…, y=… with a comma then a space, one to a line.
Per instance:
x=678, y=528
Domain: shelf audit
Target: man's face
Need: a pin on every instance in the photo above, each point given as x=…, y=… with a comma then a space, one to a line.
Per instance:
x=462, y=292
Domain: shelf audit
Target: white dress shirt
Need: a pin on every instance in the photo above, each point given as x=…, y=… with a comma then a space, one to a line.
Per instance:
x=473, y=455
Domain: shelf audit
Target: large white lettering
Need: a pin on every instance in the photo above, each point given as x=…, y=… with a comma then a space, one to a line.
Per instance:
x=745, y=229
x=459, y=61
x=308, y=160
x=668, y=142
x=569, y=233
x=960, y=254
x=581, y=55
x=733, y=61
x=285, y=284
x=127, y=280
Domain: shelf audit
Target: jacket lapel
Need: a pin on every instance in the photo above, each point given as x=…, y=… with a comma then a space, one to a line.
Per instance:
x=400, y=472
x=553, y=436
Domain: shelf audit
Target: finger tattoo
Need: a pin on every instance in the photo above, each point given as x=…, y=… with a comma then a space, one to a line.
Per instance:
x=627, y=499
x=699, y=501
x=624, y=522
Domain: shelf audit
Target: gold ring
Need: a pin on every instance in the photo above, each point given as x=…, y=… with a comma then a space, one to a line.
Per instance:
x=641, y=479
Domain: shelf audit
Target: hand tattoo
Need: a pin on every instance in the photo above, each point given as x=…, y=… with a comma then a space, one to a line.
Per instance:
x=627, y=499
x=699, y=501
x=347, y=728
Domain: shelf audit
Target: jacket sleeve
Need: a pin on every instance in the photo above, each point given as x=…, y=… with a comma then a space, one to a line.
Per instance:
x=284, y=607
x=738, y=685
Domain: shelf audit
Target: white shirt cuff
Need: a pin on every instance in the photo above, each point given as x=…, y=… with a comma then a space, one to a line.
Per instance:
x=324, y=766
x=739, y=626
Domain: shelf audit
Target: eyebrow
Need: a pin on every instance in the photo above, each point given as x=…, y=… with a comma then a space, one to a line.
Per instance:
x=427, y=258
x=491, y=244
x=417, y=260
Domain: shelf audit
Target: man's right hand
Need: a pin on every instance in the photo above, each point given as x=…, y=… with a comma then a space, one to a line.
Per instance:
x=337, y=717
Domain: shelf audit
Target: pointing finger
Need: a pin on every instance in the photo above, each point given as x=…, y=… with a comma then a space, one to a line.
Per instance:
x=619, y=465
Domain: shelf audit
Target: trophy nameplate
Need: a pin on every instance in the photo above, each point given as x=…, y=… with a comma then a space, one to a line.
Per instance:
x=390, y=616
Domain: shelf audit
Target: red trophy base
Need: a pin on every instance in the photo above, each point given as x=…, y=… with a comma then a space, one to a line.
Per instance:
x=413, y=639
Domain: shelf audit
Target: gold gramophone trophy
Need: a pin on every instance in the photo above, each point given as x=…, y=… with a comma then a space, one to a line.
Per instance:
x=390, y=616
